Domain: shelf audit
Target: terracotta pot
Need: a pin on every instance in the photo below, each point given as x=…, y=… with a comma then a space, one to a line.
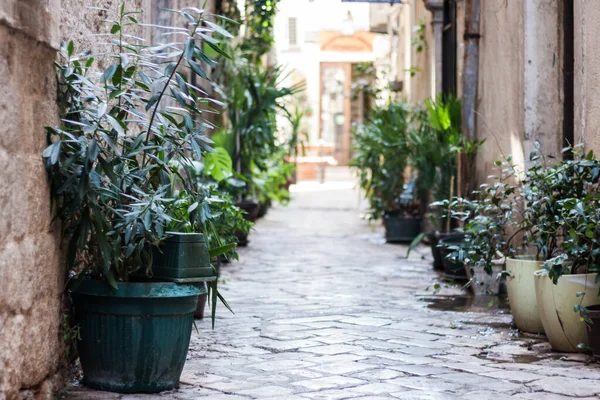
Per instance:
x=563, y=326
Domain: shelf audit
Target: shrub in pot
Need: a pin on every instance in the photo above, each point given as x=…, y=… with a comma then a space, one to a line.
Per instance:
x=253, y=97
x=111, y=181
x=436, y=145
x=564, y=204
x=381, y=155
x=491, y=219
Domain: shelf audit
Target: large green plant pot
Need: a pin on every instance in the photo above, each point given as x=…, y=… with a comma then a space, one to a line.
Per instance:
x=520, y=286
x=134, y=339
x=400, y=229
x=564, y=327
x=181, y=257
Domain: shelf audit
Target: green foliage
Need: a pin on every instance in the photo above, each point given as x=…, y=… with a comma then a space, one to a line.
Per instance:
x=381, y=154
x=121, y=164
x=260, y=15
x=488, y=216
x=561, y=211
x=270, y=183
x=254, y=97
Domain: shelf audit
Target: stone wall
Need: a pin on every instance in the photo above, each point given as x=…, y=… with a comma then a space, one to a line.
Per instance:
x=31, y=267
x=31, y=274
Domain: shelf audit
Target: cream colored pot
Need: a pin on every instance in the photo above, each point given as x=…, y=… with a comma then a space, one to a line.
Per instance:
x=564, y=327
x=521, y=293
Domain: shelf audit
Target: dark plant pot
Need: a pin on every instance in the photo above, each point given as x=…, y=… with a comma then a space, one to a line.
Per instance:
x=264, y=208
x=399, y=229
x=134, y=339
x=593, y=330
x=251, y=209
x=434, y=239
x=453, y=270
x=201, y=304
x=181, y=257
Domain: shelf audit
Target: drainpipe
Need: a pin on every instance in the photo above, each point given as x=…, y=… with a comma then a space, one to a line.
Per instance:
x=437, y=22
x=471, y=67
x=466, y=165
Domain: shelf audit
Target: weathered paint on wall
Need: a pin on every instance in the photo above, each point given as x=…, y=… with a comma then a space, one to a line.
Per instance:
x=500, y=92
x=587, y=73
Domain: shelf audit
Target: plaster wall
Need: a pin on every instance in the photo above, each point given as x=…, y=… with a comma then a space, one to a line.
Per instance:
x=587, y=74
x=500, y=115
x=31, y=264
x=420, y=86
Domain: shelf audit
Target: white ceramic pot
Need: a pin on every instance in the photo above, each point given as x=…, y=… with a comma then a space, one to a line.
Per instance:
x=521, y=293
x=564, y=327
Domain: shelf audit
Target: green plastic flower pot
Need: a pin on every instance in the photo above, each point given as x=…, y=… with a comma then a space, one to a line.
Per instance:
x=181, y=257
x=133, y=339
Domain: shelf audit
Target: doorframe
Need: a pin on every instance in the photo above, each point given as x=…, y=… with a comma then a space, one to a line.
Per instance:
x=343, y=154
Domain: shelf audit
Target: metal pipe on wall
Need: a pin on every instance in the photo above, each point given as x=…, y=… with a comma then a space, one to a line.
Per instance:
x=471, y=67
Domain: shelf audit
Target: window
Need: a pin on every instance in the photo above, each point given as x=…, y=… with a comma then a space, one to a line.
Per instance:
x=292, y=32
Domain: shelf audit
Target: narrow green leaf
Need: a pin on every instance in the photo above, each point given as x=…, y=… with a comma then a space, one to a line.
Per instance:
x=197, y=69
x=218, y=50
x=189, y=48
x=219, y=251
x=219, y=29
x=117, y=125
x=70, y=48
x=101, y=110
x=115, y=28
x=108, y=74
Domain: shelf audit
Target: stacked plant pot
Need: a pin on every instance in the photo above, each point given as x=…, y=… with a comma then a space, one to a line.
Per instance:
x=135, y=338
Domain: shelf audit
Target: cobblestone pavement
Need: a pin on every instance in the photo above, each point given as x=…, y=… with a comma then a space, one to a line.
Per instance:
x=325, y=310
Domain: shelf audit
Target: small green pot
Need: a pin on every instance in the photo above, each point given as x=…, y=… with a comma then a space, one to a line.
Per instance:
x=133, y=339
x=181, y=257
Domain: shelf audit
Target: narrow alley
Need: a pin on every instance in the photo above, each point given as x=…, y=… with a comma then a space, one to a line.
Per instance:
x=324, y=309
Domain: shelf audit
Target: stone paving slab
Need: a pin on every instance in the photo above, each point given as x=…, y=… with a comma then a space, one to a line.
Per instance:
x=324, y=309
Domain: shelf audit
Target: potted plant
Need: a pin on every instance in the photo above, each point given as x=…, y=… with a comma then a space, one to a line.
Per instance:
x=563, y=203
x=109, y=169
x=382, y=155
x=253, y=96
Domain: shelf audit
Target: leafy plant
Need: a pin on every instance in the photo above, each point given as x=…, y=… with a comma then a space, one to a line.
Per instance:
x=111, y=161
x=254, y=96
x=562, y=211
x=381, y=155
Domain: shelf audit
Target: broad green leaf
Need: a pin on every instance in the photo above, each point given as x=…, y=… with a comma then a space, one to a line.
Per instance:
x=218, y=164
